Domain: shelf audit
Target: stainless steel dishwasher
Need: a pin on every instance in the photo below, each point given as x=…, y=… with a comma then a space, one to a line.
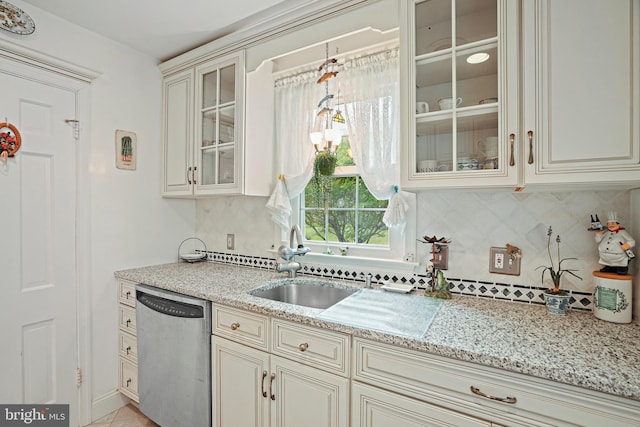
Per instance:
x=174, y=357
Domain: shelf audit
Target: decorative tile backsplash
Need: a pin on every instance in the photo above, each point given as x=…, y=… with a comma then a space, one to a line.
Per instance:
x=498, y=291
x=474, y=221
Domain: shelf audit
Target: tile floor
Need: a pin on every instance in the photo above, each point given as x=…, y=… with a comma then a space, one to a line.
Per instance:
x=127, y=416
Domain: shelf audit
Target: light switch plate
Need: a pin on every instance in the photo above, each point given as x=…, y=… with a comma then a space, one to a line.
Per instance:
x=502, y=262
x=440, y=258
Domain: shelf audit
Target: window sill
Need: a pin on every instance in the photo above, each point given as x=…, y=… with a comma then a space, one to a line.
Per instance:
x=377, y=264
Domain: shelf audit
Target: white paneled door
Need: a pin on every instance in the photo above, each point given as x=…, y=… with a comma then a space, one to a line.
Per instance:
x=39, y=350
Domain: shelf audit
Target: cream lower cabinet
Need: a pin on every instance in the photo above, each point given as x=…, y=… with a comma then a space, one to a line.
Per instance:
x=444, y=391
x=373, y=407
x=127, y=341
x=252, y=387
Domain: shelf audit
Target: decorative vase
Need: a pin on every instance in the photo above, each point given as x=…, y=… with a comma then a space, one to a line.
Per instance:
x=557, y=303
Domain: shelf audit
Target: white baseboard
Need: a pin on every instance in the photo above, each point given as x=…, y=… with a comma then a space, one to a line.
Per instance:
x=107, y=403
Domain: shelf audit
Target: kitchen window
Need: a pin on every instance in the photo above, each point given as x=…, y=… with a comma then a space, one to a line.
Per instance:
x=364, y=209
x=345, y=214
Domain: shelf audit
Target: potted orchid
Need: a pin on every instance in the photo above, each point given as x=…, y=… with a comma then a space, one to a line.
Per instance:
x=556, y=299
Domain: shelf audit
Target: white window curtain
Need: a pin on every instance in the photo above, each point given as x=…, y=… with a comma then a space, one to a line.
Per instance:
x=371, y=87
x=295, y=101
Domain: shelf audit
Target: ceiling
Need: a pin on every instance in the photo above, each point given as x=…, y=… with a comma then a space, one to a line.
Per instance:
x=163, y=28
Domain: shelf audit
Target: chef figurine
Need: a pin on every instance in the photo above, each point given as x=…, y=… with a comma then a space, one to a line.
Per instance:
x=614, y=246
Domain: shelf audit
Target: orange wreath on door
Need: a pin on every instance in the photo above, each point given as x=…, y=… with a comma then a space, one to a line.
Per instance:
x=10, y=140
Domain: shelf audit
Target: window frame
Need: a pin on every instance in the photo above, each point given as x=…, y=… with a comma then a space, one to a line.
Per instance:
x=401, y=246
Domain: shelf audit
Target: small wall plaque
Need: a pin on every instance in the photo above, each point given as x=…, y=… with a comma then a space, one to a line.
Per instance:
x=126, y=150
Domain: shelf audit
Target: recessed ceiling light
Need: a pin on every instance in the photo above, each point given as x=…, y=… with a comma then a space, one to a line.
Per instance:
x=477, y=58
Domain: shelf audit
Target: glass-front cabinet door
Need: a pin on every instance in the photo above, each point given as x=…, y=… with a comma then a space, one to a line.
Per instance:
x=457, y=93
x=218, y=140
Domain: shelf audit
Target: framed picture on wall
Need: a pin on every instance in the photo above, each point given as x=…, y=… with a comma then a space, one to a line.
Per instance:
x=126, y=150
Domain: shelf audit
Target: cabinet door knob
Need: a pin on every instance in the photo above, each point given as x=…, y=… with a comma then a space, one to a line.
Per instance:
x=128, y=349
x=128, y=322
x=512, y=159
x=510, y=400
x=128, y=294
x=303, y=347
x=128, y=382
x=273, y=377
x=264, y=375
x=530, y=136
x=234, y=326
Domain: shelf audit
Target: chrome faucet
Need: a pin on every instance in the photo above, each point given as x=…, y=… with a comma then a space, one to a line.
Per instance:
x=287, y=253
x=367, y=280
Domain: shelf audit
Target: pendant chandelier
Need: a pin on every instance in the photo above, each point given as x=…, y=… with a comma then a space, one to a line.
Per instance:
x=324, y=137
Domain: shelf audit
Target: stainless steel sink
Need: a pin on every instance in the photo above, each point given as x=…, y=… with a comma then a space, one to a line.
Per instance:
x=305, y=292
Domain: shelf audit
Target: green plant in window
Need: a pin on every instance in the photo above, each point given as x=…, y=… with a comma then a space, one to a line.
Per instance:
x=324, y=166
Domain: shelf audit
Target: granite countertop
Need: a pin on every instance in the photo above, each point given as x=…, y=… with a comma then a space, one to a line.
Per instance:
x=578, y=349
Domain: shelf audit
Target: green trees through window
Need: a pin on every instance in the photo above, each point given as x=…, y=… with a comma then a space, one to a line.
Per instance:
x=345, y=211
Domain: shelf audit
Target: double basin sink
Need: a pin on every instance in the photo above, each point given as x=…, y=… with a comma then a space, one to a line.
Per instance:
x=405, y=315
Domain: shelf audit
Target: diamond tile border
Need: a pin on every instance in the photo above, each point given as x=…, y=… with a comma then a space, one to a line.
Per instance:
x=581, y=301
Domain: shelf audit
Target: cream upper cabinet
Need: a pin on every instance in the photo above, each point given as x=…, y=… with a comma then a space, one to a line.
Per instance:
x=177, y=118
x=460, y=92
x=203, y=128
x=556, y=102
x=581, y=93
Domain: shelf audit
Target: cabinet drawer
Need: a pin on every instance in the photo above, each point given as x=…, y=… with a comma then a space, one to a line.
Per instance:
x=129, y=379
x=128, y=346
x=241, y=326
x=127, y=319
x=127, y=293
x=312, y=346
x=448, y=383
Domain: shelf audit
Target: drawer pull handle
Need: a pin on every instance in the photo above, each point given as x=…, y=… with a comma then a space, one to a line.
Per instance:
x=189, y=175
x=128, y=322
x=128, y=382
x=303, y=347
x=128, y=349
x=530, y=136
x=234, y=326
x=273, y=396
x=510, y=400
x=512, y=160
x=264, y=375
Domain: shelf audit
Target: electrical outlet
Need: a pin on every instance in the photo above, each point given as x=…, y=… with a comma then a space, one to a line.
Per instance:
x=502, y=262
x=231, y=241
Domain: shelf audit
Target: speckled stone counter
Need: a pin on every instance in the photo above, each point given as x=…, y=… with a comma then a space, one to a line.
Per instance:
x=576, y=349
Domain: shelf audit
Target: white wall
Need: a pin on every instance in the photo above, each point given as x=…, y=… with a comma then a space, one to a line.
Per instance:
x=124, y=221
